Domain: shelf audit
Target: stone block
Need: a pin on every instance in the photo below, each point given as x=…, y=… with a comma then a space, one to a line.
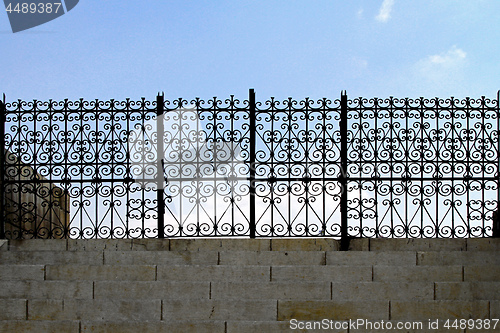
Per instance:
x=22, y=272
x=151, y=290
x=483, y=244
x=271, y=290
x=38, y=245
x=466, y=258
x=219, y=309
x=153, y=244
x=245, y=244
x=102, y=272
x=196, y=244
x=12, y=309
x=4, y=245
x=259, y=327
x=484, y=290
x=321, y=273
x=334, y=310
x=160, y=258
x=99, y=244
x=364, y=258
x=213, y=273
x=220, y=244
x=481, y=273
x=272, y=258
x=93, y=309
x=273, y=326
x=417, y=244
x=495, y=309
x=46, y=289
x=304, y=244
x=37, y=326
x=51, y=257
x=417, y=273
x=425, y=310
x=359, y=244
x=207, y=326
x=45, y=309
x=368, y=291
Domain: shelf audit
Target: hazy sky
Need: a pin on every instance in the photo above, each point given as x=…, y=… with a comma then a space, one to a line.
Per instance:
x=117, y=48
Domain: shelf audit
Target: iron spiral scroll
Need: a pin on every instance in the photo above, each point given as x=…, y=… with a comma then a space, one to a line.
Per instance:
x=342, y=168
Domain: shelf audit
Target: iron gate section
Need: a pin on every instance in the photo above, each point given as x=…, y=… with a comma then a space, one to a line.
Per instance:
x=423, y=167
x=298, y=168
x=93, y=169
x=341, y=168
x=205, y=169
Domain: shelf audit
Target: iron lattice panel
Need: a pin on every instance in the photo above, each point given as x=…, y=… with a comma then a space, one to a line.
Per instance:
x=409, y=167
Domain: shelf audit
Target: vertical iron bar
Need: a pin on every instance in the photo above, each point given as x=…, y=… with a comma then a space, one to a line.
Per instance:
x=3, y=111
x=468, y=175
x=53, y=194
x=344, y=241
x=377, y=182
x=34, y=175
x=232, y=166
x=323, y=133
x=251, y=105
x=495, y=232
x=359, y=171
x=159, y=165
x=437, y=110
x=483, y=154
x=306, y=169
x=65, y=164
x=422, y=162
x=454, y=160
x=407, y=161
x=215, y=138
x=98, y=183
x=390, y=109
x=129, y=174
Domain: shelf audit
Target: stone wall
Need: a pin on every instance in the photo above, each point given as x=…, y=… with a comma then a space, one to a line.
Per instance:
x=246, y=285
x=40, y=210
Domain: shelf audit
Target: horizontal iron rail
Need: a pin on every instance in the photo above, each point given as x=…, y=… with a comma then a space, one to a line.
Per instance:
x=257, y=179
x=275, y=162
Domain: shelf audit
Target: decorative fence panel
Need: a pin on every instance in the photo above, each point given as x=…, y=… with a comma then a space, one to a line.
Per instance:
x=334, y=168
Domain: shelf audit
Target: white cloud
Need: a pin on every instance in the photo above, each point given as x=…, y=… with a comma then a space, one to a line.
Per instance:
x=441, y=74
x=384, y=13
x=451, y=58
x=444, y=66
x=359, y=13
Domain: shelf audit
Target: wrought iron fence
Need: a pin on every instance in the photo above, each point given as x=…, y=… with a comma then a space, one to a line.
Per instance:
x=334, y=168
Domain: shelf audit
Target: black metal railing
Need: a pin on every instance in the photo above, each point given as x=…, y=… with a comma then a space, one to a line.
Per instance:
x=329, y=168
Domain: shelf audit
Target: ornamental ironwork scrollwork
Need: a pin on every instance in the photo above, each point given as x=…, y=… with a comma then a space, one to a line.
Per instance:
x=93, y=169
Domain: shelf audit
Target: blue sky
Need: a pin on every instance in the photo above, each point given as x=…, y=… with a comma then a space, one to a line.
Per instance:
x=118, y=49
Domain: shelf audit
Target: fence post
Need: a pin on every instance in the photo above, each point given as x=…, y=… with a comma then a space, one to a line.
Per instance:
x=496, y=216
x=159, y=165
x=344, y=240
x=3, y=111
x=252, y=128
